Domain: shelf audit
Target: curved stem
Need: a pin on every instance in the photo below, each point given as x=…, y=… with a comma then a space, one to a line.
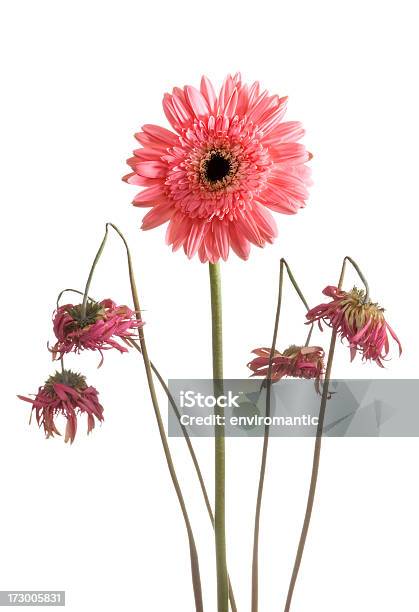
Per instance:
x=193, y=457
x=316, y=459
x=361, y=276
x=191, y=449
x=255, y=561
x=58, y=305
x=71, y=291
x=92, y=270
x=295, y=285
x=219, y=463
x=196, y=580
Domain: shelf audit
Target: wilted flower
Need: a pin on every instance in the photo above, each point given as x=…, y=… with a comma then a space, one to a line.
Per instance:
x=65, y=393
x=358, y=320
x=295, y=362
x=230, y=160
x=96, y=329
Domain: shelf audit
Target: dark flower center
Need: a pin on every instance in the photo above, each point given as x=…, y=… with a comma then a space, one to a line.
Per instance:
x=94, y=312
x=217, y=167
x=66, y=377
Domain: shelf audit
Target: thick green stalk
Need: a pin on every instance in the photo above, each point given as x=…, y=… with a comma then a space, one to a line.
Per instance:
x=219, y=464
x=317, y=449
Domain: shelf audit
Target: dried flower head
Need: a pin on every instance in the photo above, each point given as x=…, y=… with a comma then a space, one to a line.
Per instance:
x=230, y=159
x=295, y=362
x=97, y=328
x=358, y=320
x=67, y=394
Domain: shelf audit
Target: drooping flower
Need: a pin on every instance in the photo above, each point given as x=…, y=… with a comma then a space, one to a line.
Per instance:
x=97, y=329
x=230, y=159
x=65, y=394
x=295, y=362
x=358, y=320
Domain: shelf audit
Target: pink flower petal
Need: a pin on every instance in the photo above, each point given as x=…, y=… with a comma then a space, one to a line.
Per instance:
x=231, y=159
x=197, y=102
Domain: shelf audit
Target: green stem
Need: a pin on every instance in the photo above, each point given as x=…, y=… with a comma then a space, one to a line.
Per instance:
x=255, y=561
x=92, y=270
x=294, y=284
x=361, y=276
x=217, y=367
x=196, y=580
x=60, y=295
x=188, y=441
x=316, y=457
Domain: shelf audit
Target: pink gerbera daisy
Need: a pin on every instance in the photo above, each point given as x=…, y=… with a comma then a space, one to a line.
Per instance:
x=98, y=328
x=229, y=160
x=66, y=394
x=358, y=320
x=295, y=362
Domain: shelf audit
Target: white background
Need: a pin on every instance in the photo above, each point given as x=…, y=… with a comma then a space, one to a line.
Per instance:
x=100, y=519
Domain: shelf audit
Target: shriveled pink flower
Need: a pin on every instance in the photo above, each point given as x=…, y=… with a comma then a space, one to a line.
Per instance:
x=357, y=320
x=230, y=159
x=98, y=328
x=67, y=394
x=295, y=362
